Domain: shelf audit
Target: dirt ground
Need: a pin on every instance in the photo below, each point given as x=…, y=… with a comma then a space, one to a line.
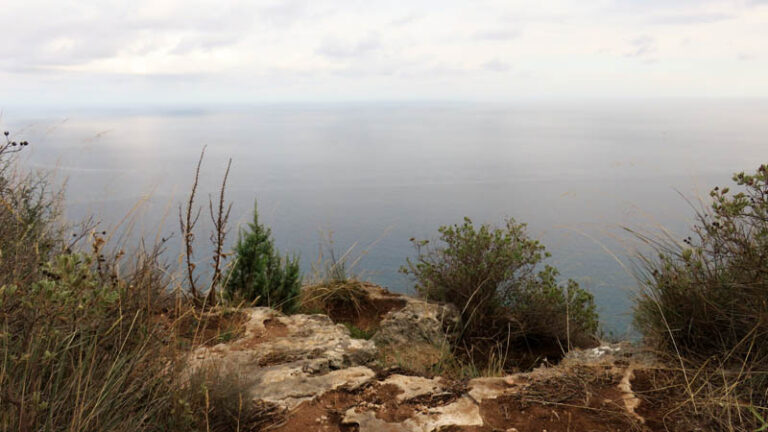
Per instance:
x=368, y=314
x=585, y=400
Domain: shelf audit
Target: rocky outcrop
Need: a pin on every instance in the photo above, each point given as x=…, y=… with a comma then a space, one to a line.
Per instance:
x=418, y=322
x=593, y=392
x=325, y=380
x=290, y=359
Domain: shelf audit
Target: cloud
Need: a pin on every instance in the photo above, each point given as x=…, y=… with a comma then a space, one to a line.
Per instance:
x=689, y=19
x=338, y=49
x=405, y=20
x=497, y=35
x=641, y=46
x=496, y=65
x=238, y=49
x=204, y=43
x=285, y=13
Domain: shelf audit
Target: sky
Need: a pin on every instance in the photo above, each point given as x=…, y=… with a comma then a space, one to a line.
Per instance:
x=76, y=52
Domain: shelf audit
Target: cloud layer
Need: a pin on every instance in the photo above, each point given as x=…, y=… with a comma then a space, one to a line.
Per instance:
x=173, y=51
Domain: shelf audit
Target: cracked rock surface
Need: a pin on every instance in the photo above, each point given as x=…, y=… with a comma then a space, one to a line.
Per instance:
x=291, y=359
x=325, y=380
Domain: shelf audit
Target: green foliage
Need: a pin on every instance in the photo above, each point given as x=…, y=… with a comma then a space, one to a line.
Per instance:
x=708, y=295
x=358, y=333
x=29, y=210
x=259, y=274
x=77, y=353
x=704, y=302
x=491, y=275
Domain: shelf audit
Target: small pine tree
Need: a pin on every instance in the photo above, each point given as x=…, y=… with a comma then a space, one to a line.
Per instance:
x=260, y=273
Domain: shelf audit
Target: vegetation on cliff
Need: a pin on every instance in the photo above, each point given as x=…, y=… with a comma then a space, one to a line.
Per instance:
x=508, y=301
x=259, y=274
x=94, y=338
x=704, y=303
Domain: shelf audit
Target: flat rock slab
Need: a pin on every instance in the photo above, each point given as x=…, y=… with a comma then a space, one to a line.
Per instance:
x=291, y=359
x=324, y=381
x=462, y=412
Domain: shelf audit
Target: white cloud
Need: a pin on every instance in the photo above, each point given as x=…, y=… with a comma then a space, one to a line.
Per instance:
x=252, y=51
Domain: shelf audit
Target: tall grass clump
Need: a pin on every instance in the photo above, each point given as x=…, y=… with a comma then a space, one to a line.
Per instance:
x=708, y=294
x=29, y=212
x=494, y=276
x=704, y=301
x=94, y=338
x=334, y=286
x=75, y=351
x=259, y=274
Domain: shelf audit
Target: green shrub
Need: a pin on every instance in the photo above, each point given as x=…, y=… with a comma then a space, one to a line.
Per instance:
x=259, y=274
x=704, y=303
x=358, y=333
x=90, y=337
x=29, y=212
x=493, y=276
x=78, y=349
x=78, y=353
x=707, y=296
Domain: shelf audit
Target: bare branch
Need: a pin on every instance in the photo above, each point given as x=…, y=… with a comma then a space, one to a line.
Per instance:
x=219, y=234
x=187, y=224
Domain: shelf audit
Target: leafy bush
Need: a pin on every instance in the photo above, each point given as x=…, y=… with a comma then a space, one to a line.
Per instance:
x=707, y=296
x=704, y=303
x=78, y=353
x=29, y=209
x=493, y=276
x=259, y=274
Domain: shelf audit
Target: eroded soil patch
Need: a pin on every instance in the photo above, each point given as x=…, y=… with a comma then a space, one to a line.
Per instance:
x=367, y=314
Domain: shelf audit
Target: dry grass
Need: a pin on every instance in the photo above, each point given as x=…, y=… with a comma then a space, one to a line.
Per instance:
x=326, y=296
x=332, y=284
x=220, y=403
x=94, y=338
x=703, y=306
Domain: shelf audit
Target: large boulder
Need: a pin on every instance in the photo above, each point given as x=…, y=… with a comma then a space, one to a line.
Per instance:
x=419, y=322
x=290, y=359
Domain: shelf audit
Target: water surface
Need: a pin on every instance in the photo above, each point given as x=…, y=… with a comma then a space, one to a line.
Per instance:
x=383, y=173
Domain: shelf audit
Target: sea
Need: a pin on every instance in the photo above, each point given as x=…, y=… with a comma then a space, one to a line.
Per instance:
x=363, y=179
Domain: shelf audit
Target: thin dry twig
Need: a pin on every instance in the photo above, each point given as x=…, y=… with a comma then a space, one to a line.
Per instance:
x=187, y=224
x=218, y=235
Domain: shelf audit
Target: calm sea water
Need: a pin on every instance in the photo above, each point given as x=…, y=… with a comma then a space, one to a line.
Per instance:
x=378, y=174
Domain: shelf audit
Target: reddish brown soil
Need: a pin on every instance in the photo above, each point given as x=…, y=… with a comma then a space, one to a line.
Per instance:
x=662, y=402
x=596, y=415
x=211, y=329
x=585, y=401
x=272, y=329
x=368, y=314
x=326, y=412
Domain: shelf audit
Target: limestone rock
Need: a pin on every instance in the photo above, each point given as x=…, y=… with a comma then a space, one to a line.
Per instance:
x=290, y=359
x=418, y=322
x=462, y=412
x=323, y=378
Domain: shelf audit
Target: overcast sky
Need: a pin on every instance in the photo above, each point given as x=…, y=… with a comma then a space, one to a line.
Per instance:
x=230, y=51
